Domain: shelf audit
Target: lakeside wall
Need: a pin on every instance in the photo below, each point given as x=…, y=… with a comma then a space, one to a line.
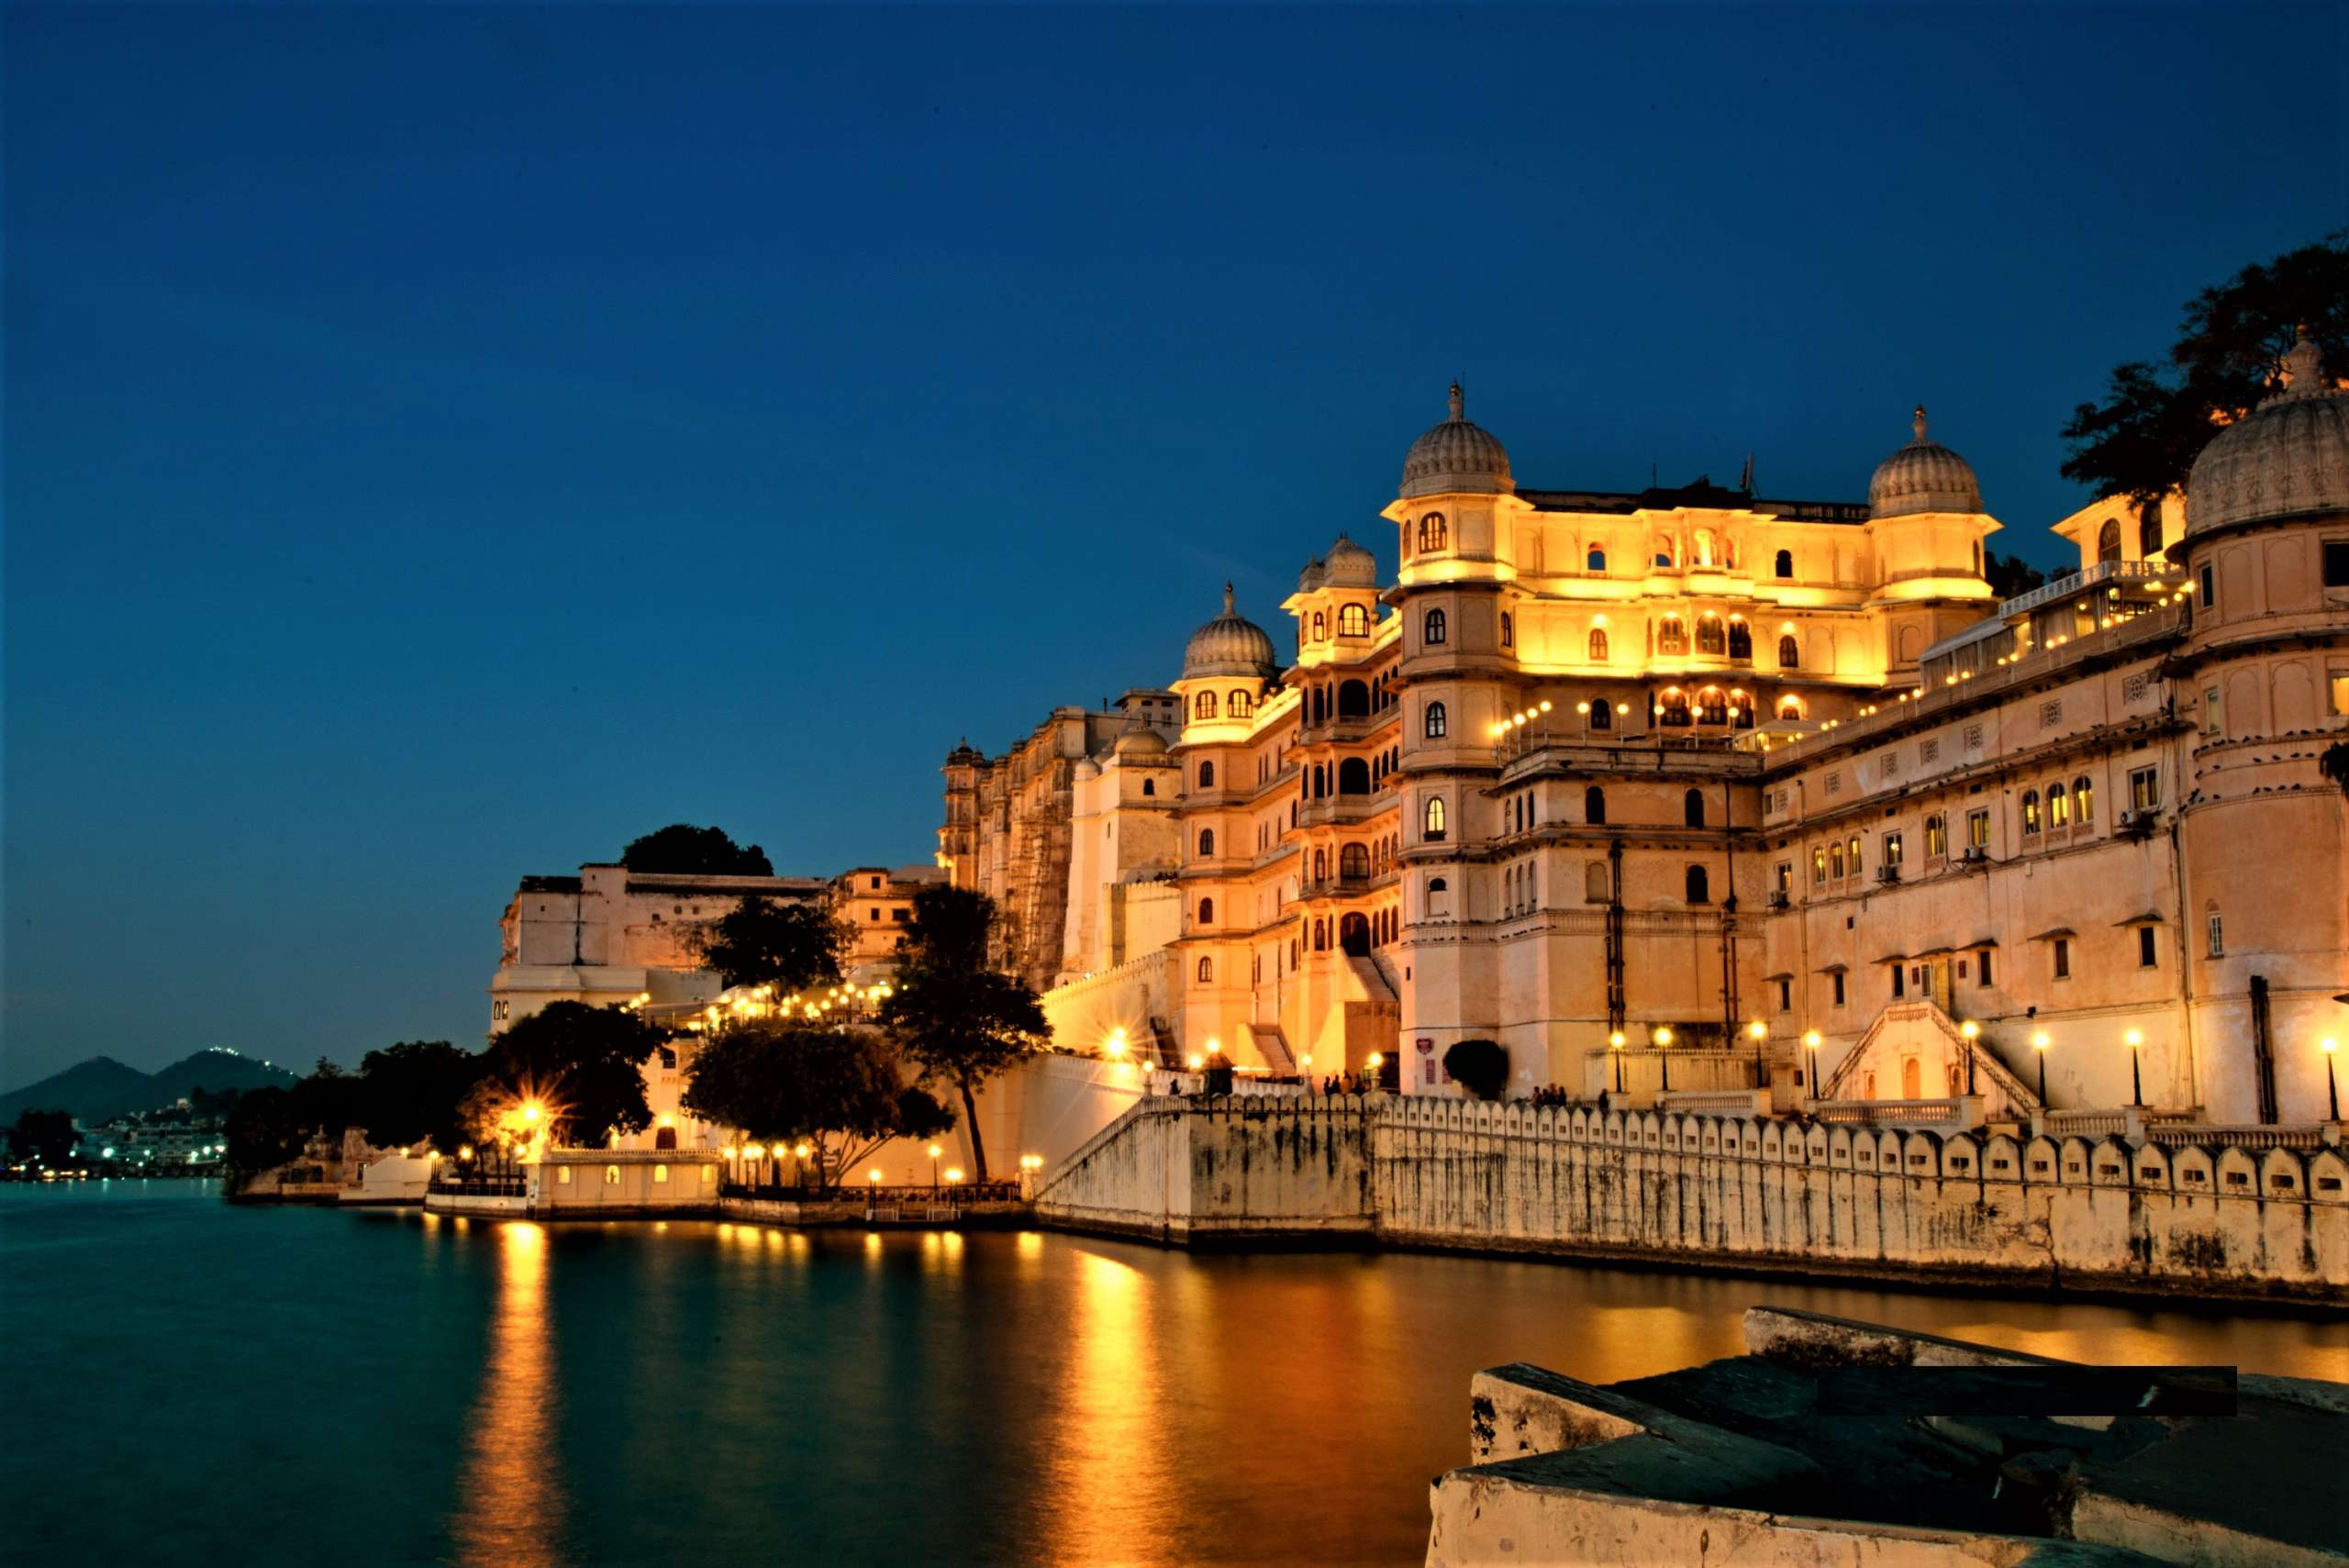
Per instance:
x=1704, y=1191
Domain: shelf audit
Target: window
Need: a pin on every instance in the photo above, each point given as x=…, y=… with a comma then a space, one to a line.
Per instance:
x=562, y=1175
x=2336, y=564
x=1713, y=706
x=2083, y=803
x=1710, y=636
x=1838, y=978
x=1207, y=843
x=1354, y=700
x=660, y=1175
x=2339, y=683
x=1203, y=706
x=1433, y=820
x=1238, y=705
x=1696, y=886
x=1206, y=911
x=1432, y=533
x=611, y=1175
x=1899, y=981
x=1740, y=639
x=1672, y=708
x=1819, y=867
x=2146, y=950
x=1671, y=635
x=1936, y=838
x=1149, y=786
x=2063, y=958
x=1352, y=620
x=1206, y=971
x=1320, y=626
x=1784, y=565
x=1431, y=629
x=1853, y=846
x=1598, y=645
x=2108, y=540
x=2059, y=805
x=2149, y=528
x=2030, y=813
x=2218, y=948
x=1692, y=808
x=1594, y=805
x=1977, y=830
x=1983, y=959
x=2144, y=789
x=1894, y=850
x=2209, y=590
x=1789, y=653
x=1602, y=713
x=1353, y=777
x=1664, y=553
x=2211, y=711
x=1320, y=865
x=1509, y=630
x=1783, y=878
x=1353, y=860
x=1594, y=882
x=1435, y=721
x=1206, y=776
x=1835, y=861
x=1791, y=709
x=1595, y=560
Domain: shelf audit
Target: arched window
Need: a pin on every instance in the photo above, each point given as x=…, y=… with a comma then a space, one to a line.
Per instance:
x=1692, y=808
x=1320, y=865
x=1595, y=561
x=2030, y=811
x=1664, y=552
x=1789, y=653
x=1431, y=629
x=1741, y=707
x=1790, y=707
x=1320, y=626
x=1602, y=714
x=1320, y=704
x=1704, y=547
x=1432, y=533
x=1697, y=887
x=1320, y=936
x=1671, y=635
x=1433, y=820
x=1713, y=706
x=1435, y=721
x=1149, y=786
x=1203, y=706
x=1784, y=565
x=1354, y=859
x=1594, y=805
x=1206, y=971
x=1672, y=708
x=664, y=1138
x=1835, y=860
x=1352, y=620
x=1238, y=705
x=1740, y=639
x=1710, y=639
x=1354, y=700
x=1207, y=843
x=2059, y=805
x=1206, y=776
x=1509, y=630
x=2108, y=540
x=1353, y=777
x=1594, y=882
x=1598, y=645
x=2083, y=803
x=1320, y=782
x=1439, y=897
x=1206, y=911
x=2149, y=528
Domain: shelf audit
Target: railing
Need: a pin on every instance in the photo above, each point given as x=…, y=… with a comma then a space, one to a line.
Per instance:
x=483, y=1186
x=1717, y=1102
x=2171, y=1135
x=1959, y=1110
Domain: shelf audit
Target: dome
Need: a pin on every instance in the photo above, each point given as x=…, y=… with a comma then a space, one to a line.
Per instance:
x=1455, y=455
x=1230, y=644
x=1348, y=565
x=1310, y=578
x=1139, y=740
x=2288, y=456
x=1923, y=476
x=965, y=754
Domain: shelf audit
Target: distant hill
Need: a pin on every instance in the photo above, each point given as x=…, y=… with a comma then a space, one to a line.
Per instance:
x=102, y=1087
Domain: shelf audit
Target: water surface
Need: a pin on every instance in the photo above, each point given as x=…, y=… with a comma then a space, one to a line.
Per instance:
x=200, y=1385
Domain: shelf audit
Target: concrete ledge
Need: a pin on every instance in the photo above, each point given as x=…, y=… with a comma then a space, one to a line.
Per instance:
x=1813, y=1338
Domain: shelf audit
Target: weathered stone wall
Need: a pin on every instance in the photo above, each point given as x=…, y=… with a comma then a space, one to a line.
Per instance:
x=2229, y=1221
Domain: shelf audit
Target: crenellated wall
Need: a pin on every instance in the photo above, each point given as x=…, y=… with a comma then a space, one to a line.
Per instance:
x=1726, y=1191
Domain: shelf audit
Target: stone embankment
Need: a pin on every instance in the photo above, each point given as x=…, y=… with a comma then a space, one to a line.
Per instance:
x=1759, y=1195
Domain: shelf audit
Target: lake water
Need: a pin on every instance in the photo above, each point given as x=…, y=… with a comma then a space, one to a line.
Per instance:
x=190, y=1383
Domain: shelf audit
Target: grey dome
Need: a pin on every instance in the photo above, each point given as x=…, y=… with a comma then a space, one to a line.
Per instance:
x=1310, y=578
x=1139, y=740
x=1348, y=565
x=1230, y=644
x=1456, y=455
x=1923, y=476
x=2288, y=456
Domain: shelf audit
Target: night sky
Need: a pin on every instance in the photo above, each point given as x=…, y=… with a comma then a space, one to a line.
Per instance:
x=443, y=445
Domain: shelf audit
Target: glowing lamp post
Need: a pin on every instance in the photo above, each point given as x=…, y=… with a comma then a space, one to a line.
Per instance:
x=1377, y=1062
x=1615, y=1043
x=1971, y=1031
x=934, y=1153
x=2039, y=1044
x=1811, y=1041
x=1757, y=1031
x=1663, y=1062
x=2331, y=1047
x=2135, y=1041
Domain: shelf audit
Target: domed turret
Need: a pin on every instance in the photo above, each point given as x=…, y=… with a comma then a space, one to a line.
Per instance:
x=2288, y=456
x=1230, y=644
x=1348, y=565
x=1310, y=578
x=1923, y=476
x=1138, y=739
x=1455, y=456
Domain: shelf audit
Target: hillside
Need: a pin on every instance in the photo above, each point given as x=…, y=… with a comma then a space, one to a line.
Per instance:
x=103, y=1087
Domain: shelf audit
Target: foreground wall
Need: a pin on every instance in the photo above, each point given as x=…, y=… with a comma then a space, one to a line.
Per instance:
x=1220, y=1169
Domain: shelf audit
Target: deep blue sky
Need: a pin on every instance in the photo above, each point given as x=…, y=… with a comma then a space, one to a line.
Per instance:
x=441, y=445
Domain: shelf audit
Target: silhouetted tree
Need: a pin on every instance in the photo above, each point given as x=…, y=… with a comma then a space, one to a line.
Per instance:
x=959, y=1019
x=842, y=1090
x=791, y=946
x=1480, y=1066
x=685, y=850
x=264, y=1131
x=2010, y=576
x=411, y=1093
x=2142, y=438
x=586, y=1064
x=43, y=1135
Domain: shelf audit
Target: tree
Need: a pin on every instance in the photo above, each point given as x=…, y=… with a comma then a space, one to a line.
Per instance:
x=688, y=850
x=784, y=1084
x=42, y=1136
x=412, y=1092
x=2010, y=576
x=326, y=1100
x=584, y=1064
x=1480, y=1066
x=952, y=1015
x=264, y=1131
x=790, y=946
x=2142, y=438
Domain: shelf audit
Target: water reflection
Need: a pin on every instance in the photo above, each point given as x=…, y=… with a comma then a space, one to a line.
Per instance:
x=1109, y=1436
x=509, y=1501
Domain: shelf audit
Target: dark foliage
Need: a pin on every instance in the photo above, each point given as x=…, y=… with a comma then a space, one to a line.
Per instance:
x=1480, y=1066
x=2010, y=576
x=586, y=1064
x=411, y=1093
x=43, y=1135
x=957, y=1018
x=832, y=1088
x=688, y=850
x=790, y=946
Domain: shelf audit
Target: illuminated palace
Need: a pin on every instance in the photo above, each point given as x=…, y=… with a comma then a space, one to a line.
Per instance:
x=1776, y=794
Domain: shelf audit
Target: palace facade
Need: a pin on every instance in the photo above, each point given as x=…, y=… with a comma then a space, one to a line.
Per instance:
x=1777, y=793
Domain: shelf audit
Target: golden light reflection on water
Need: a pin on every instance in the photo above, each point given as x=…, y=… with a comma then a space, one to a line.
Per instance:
x=508, y=1501
x=1109, y=1453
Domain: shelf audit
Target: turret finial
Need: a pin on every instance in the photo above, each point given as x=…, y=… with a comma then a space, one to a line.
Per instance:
x=1458, y=402
x=1227, y=598
x=1917, y=421
x=2302, y=367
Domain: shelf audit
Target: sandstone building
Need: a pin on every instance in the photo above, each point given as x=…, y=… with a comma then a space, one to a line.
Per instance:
x=1776, y=791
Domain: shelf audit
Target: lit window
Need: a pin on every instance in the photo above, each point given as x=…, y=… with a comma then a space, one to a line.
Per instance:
x=1936, y=838
x=1320, y=626
x=1434, y=819
x=1432, y=533
x=2083, y=803
x=1206, y=971
x=611, y=1175
x=1598, y=649
x=1977, y=828
x=1435, y=721
x=2144, y=789
x=1671, y=635
x=562, y=1175
x=1789, y=653
x=660, y=1175
x=1509, y=630
x=1238, y=705
x=1203, y=706
x=2059, y=805
x=1711, y=638
x=2030, y=811
x=1352, y=620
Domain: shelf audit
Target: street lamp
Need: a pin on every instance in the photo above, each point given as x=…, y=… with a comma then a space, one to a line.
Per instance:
x=1971, y=1031
x=1117, y=1047
x=1757, y=1031
x=2135, y=1041
x=1377, y=1061
x=934, y=1153
x=2039, y=1044
x=2331, y=1083
x=1615, y=1046
x=1663, y=1062
x=1811, y=1041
